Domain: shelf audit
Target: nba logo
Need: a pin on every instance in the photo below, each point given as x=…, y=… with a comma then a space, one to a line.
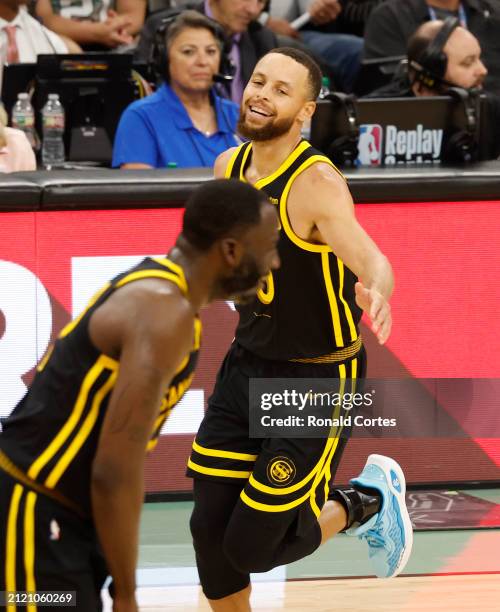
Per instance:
x=370, y=145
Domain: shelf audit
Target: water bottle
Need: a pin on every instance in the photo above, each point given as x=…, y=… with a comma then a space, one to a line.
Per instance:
x=325, y=88
x=23, y=118
x=53, y=132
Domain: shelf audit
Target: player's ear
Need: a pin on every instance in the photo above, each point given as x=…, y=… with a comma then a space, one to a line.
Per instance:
x=307, y=111
x=231, y=251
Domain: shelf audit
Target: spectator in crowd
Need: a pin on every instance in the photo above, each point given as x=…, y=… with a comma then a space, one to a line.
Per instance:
x=22, y=37
x=16, y=153
x=94, y=24
x=247, y=40
x=393, y=22
x=463, y=67
x=185, y=123
x=328, y=33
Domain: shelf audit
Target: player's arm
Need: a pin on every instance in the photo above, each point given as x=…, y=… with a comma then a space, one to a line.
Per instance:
x=109, y=33
x=221, y=163
x=154, y=336
x=327, y=207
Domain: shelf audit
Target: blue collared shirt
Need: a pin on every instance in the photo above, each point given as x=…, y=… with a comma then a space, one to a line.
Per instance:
x=158, y=131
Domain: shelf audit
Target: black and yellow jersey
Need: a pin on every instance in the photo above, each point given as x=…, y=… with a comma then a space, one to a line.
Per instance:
x=52, y=434
x=306, y=311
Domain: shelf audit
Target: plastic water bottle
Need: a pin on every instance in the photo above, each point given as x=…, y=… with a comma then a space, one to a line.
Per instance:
x=53, y=132
x=23, y=118
x=325, y=88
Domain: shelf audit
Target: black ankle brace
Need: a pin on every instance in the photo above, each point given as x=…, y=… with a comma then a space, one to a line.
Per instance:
x=359, y=503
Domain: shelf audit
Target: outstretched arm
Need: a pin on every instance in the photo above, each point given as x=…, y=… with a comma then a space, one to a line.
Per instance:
x=322, y=202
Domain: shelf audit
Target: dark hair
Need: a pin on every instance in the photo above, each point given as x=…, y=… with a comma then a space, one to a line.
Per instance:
x=418, y=43
x=193, y=19
x=219, y=208
x=315, y=74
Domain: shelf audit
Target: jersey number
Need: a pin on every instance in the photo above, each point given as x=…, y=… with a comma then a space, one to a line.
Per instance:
x=266, y=294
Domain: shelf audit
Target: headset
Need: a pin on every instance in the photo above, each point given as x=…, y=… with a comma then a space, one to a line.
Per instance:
x=431, y=65
x=462, y=146
x=343, y=151
x=159, y=51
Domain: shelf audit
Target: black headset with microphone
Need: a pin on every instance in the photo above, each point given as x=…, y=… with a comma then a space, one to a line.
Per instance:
x=430, y=66
x=159, y=51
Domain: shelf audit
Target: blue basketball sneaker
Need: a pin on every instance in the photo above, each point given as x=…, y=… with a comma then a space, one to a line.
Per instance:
x=389, y=533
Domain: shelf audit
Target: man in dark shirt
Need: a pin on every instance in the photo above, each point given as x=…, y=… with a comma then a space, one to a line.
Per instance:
x=393, y=22
x=247, y=41
x=463, y=68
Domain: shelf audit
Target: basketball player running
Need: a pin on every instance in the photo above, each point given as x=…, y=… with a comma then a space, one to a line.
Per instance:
x=260, y=503
x=72, y=452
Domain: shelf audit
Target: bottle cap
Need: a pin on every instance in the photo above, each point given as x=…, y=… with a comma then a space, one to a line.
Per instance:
x=325, y=81
x=172, y=165
x=22, y=96
x=53, y=96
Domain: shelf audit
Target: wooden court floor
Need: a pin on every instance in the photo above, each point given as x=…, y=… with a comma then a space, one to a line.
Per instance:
x=452, y=593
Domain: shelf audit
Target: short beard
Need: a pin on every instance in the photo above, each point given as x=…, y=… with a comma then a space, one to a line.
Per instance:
x=272, y=130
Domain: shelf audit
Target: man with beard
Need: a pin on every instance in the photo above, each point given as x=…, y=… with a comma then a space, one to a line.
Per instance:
x=260, y=503
x=72, y=452
x=441, y=55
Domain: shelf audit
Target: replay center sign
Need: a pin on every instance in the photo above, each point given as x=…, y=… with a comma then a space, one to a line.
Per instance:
x=401, y=408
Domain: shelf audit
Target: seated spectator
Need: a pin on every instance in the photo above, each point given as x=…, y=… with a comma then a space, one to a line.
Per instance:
x=328, y=34
x=94, y=24
x=391, y=24
x=463, y=67
x=22, y=37
x=16, y=153
x=247, y=40
x=184, y=123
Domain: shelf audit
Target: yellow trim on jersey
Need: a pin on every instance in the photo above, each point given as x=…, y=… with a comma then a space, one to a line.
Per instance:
x=72, y=324
x=243, y=162
x=29, y=546
x=268, y=508
x=285, y=222
x=292, y=488
x=341, y=355
x=197, y=333
x=232, y=159
x=334, y=308
x=348, y=313
x=163, y=261
x=211, y=452
x=11, y=542
x=335, y=440
x=217, y=472
x=84, y=432
x=45, y=358
x=266, y=294
x=170, y=276
x=69, y=426
x=294, y=155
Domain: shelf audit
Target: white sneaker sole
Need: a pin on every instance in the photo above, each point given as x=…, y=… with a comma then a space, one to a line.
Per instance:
x=386, y=464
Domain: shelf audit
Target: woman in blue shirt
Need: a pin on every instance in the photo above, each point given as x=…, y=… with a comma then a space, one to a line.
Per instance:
x=185, y=123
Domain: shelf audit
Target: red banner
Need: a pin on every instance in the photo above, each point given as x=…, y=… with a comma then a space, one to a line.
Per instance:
x=445, y=257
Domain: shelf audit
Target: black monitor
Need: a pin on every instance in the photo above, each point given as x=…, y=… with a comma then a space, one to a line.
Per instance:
x=16, y=79
x=95, y=89
x=397, y=130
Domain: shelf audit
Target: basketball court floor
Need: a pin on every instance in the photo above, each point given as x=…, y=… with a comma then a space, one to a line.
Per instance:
x=451, y=570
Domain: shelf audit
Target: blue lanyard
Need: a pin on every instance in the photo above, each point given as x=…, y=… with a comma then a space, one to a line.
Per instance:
x=462, y=17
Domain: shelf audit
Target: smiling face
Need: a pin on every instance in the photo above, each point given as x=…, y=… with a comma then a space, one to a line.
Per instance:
x=194, y=57
x=276, y=99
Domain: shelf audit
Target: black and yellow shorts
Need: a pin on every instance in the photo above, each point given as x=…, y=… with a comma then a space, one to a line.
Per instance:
x=275, y=474
x=46, y=547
